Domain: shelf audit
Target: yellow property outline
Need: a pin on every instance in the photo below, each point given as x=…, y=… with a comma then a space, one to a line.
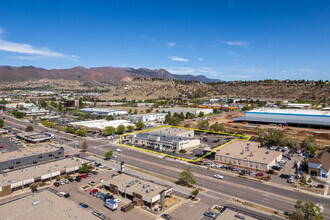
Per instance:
x=243, y=138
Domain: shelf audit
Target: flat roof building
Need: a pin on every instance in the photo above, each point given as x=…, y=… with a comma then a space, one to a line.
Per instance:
x=163, y=142
x=195, y=111
x=100, y=125
x=142, y=192
x=23, y=178
x=33, y=137
x=35, y=112
x=301, y=117
x=44, y=205
x=147, y=117
x=104, y=111
x=170, y=131
x=29, y=155
x=247, y=154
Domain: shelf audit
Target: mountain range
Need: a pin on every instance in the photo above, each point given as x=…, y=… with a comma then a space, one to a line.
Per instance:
x=110, y=74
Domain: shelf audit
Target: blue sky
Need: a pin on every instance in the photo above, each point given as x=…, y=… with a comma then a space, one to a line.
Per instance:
x=225, y=39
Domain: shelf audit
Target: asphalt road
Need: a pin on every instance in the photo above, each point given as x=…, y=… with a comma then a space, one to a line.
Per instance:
x=260, y=193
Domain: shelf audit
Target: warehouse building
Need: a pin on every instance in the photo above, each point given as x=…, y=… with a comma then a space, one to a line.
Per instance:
x=290, y=117
x=29, y=155
x=44, y=205
x=141, y=192
x=34, y=137
x=99, y=125
x=147, y=117
x=103, y=111
x=247, y=154
x=23, y=178
x=162, y=142
x=195, y=111
x=171, y=131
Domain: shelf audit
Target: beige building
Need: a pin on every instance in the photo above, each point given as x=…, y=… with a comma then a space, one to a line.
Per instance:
x=170, y=131
x=247, y=154
x=44, y=205
x=141, y=192
x=23, y=178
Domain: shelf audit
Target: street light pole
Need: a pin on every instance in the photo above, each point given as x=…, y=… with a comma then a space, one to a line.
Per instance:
x=203, y=177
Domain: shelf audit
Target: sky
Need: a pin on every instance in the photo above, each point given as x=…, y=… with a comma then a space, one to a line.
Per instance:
x=223, y=39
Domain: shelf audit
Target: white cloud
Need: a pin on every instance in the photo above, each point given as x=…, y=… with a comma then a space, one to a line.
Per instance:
x=250, y=70
x=240, y=43
x=171, y=44
x=174, y=58
x=306, y=70
x=34, y=53
x=192, y=71
x=201, y=59
x=27, y=49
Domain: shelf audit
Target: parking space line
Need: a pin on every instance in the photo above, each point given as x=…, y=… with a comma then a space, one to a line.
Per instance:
x=145, y=213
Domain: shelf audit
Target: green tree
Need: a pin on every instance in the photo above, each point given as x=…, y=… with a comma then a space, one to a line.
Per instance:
x=130, y=128
x=130, y=111
x=43, y=103
x=84, y=145
x=194, y=193
x=135, y=111
x=82, y=132
x=139, y=125
x=109, y=130
x=203, y=125
x=120, y=129
x=187, y=177
x=85, y=168
x=186, y=125
x=108, y=155
x=2, y=123
x=60, y=108
x=307, y=211
x=29, y=128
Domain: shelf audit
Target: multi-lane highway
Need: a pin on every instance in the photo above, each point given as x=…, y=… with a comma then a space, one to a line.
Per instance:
x=257, y=192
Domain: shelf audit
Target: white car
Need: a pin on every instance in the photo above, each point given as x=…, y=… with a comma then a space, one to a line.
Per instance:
x=101, y=166
x=62, y=182
x=218, y=176
x=67, y=181
x=100, y=180
x=92, y=183
x=118, y=150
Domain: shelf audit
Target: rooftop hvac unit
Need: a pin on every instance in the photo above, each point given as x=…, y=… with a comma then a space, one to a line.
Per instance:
x=251, y=154
x=145, y=186
x=149, y=190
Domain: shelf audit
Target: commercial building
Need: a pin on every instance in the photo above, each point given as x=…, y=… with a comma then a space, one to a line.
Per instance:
x=195, y=111
x=44, y=205
x=100, y=125
x=320, y=165
x=103, y=111
x=35, y=112
x=23, y=178
x=292, y=117
x=33, y=137
x=29, y=155
x=141, y=192
x=147, y=117
x=170, y=131
x=247, y=154
x=162, y=142
x=298, y=105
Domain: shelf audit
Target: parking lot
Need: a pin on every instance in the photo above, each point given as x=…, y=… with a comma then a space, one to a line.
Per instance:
x=80, y=193
x=5, y=143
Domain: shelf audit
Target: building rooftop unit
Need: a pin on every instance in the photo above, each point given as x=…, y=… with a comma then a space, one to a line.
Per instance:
x=27, y=151
x=141, y=187
x=101, y=124
x=27, y=173
x=44, y=205
x=248, y=150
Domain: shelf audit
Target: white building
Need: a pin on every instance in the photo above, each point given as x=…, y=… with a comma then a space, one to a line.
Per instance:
x=100, y=124
x=147, y=117
x=195, y=111
x=298, y=105
x=103, y=111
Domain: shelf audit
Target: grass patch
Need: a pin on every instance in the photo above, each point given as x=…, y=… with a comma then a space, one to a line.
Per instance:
x=169, y=202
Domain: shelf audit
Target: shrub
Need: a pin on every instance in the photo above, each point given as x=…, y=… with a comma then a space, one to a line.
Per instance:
x=183, y=151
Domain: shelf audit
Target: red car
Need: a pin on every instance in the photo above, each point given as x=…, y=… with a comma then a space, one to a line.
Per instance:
x=1, y=146
x=93, y=191
x=84, y=176
x=57, y=184
x=259, y=174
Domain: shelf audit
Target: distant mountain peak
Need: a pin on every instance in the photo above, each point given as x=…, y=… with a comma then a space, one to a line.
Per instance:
x=82, y=74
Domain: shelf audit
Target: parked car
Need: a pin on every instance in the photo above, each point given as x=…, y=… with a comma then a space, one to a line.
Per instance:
x=93, y=191
x=209, y=214
x=78, y=178
x=118, y=150
x=56, y=184
x=218, y=176
x=89, y=175
x=259, y=174
x=166, y=216
x=83, y=205
x=84, y=176
x=62, y=182
x=92, y=183
x=71, y=180
x=290, y=180
x=95, y=172
x=100, y=180
x=67, y=181
x=106, y=196
x=67, y=195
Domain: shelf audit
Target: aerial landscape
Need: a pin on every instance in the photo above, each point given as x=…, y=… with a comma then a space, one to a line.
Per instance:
x=167, y=110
